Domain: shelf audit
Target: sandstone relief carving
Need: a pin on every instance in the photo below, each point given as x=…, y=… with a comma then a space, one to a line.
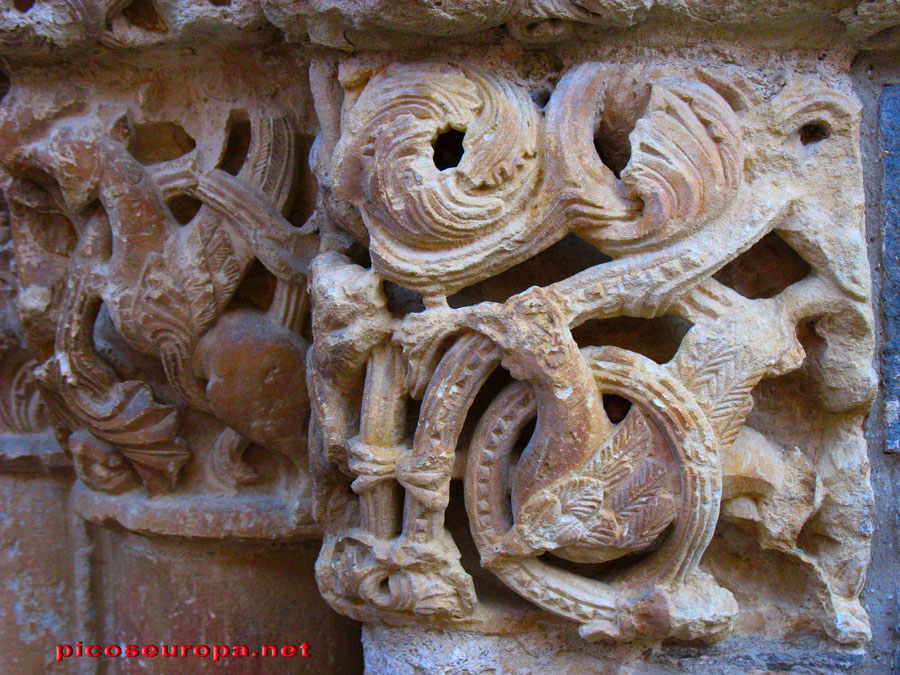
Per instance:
x=547, y=316
x=677, y=180
x=22, y=409
x=149, y=262
x=588, y=343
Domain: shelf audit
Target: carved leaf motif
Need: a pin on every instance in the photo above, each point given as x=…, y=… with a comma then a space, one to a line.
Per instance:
x=21, y=407
x=723, y=387
x=581, y=496
x=629, y=440
x=617, y=502
x=642, y=504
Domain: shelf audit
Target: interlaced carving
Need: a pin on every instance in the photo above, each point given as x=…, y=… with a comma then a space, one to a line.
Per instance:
x=679, y=206
x=168, y=288
x=163, y=281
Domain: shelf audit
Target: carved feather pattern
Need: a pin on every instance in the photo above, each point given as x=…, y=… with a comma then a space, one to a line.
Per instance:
x=724, y=388
x=616, y=503
x=629, y=440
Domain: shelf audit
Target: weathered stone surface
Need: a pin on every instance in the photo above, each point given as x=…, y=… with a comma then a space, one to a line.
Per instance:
x=715, y=212
x=155, y=590
x=410, y=651
x=37, y=608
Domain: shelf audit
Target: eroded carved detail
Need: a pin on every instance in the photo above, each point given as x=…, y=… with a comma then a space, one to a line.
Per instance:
x=132, y=241
x=162, y=287
x=695, y=172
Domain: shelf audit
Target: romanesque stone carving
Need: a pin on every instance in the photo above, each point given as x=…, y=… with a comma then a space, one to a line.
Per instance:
x=214, y=335
x=147, y=265
x=696, y=171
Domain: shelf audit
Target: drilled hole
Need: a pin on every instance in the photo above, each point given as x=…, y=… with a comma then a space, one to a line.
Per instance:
x=541, y=97
x=813, y=133
x=156, y=142
x=402, y=301
x=448, y=149
x=238, y=144
x=184, y=208
x=220, y=3
x=23, y=5
x=143, y=14
x=304, y=203
x=616, y=407
x=765, y=270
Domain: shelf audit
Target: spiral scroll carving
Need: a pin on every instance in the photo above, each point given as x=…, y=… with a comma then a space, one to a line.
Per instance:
x=424, y=222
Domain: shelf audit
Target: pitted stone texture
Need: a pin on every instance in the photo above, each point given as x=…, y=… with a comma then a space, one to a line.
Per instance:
x=37, y=559
x=705, y=198
x=159, y=590
x=559, y=651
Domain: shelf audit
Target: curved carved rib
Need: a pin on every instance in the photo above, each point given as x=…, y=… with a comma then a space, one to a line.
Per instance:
x=439, y=230
x=605, y=606
x=123, y=413
x=686, y=161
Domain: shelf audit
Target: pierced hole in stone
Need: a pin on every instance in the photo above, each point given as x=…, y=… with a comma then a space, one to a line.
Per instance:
x=612, y=132
x=540, y=97
x=657, y=338
x=304, y=203
x=238, y=145
x=154, y=142
x=615, y=158
x=413, y=408
x=220, y=3
x=402, y=301
x=487, y=585
x=496, y=382
x=360, y=255
x=448, y=149
x=523, y=440
x=184, y=208
x=143, y=14
x=765, y=270
x=257, y=288
x=306, y=328
x=616, y=407
x=814, y=132
x=566, y=257
x=23, y=5
x=4, y=85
